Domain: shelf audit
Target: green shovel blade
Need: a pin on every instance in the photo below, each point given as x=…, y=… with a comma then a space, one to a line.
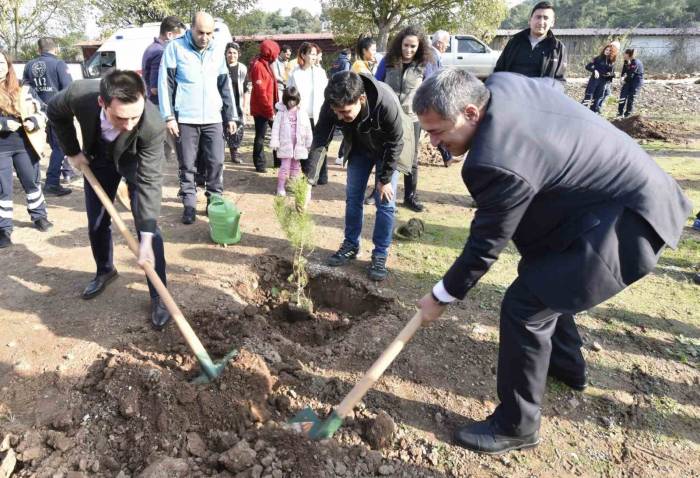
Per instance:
x=210, y=370
x=307, y=422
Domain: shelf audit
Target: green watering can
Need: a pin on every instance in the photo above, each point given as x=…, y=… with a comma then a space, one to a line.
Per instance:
x=224, y=218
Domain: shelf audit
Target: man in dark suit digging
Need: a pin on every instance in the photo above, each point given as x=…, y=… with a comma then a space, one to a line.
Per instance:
x=588, y=218
x=122, y=136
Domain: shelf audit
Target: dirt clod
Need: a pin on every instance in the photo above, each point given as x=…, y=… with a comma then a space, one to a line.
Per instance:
x=379, y=432
x=195, y=445
x=7, y=464
x=166, y=468
x=59, y=441
x=238, y=458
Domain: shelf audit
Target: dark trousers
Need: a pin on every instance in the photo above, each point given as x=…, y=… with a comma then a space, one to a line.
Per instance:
x=234, y=140
x=625, y=105
x=29, y=176
x=100, y=223
x=206, y=142
x=259, y=159
x=535, y=338
x=410, y=181
x=58, y=164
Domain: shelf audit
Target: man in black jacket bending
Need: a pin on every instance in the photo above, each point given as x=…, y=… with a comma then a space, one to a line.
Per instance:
x=374, y=131
x=535, y=51
x=588, y=219
x=122, y=136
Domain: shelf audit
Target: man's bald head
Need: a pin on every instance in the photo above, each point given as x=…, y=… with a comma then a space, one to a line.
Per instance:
x=202, y=29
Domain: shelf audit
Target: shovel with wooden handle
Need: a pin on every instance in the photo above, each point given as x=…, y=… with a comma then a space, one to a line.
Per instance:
x=210, y=370
x=309, y=423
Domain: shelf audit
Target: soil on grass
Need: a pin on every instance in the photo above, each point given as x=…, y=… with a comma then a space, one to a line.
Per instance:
x=640, y=127
x=137, y=411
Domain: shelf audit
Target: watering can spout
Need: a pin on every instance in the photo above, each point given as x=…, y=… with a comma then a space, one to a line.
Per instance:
x=224, y=220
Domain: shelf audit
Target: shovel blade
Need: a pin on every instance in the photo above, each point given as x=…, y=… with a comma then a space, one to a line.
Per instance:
x=308, y=423
x=304, y=421
x=211, y=371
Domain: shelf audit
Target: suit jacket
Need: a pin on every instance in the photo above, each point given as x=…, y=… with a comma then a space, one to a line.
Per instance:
x=137, y=154
x=553, y=176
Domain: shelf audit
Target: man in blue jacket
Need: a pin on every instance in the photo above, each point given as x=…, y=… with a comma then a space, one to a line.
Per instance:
x=170, y=28
x=588, y=219
x=49, y=75
x=194, y=92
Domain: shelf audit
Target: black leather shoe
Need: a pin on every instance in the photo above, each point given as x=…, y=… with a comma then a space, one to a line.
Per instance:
x=577, y=383
x=486, y=437
x=56, y=190
x=413, y=204
x=98, y=284
x=159, y=314
x=5, y=240
x=43, y=224
x=189, y=215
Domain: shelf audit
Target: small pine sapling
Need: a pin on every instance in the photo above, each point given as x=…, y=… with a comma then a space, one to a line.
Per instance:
x=298, y=228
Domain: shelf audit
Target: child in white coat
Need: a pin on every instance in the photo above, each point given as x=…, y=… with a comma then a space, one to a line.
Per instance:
x=291, y=137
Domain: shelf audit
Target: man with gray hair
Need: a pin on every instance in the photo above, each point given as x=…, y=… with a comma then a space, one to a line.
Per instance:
x=588, y=219
x=440, y=43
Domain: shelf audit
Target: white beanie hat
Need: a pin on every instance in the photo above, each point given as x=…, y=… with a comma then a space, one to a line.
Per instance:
x=616, y=44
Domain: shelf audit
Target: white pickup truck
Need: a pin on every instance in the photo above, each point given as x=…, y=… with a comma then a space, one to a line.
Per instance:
x=471, y=54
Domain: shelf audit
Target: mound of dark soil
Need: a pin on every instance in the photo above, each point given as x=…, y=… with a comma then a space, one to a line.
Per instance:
x=137, y=413
x=639, y=127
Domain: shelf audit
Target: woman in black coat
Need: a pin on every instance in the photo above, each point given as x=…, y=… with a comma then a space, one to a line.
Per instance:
x=602, y=70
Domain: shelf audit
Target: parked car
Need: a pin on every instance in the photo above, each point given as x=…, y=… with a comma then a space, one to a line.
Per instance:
x=124, y=49
x=469, y=53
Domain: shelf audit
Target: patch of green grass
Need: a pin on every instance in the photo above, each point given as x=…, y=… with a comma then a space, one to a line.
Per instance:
x=665, y=407
x=677, y=149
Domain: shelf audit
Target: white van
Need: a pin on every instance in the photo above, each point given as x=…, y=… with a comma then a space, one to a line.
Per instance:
x=124, y=49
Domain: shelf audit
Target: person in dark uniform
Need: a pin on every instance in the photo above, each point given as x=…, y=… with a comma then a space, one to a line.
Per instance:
x=632, y=78
x=48, y=75
x=588, y=219
x=535, y=51
x=602, y=69
x=123, y=136
x=21, y=141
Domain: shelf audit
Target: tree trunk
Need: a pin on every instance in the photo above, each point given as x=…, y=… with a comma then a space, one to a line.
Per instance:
x=383, y=36
x=15, y=41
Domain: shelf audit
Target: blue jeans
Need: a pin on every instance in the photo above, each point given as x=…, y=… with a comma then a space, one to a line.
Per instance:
x=360, y=166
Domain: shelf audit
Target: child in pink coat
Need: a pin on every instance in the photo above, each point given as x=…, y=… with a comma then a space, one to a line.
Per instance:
x=291, y=137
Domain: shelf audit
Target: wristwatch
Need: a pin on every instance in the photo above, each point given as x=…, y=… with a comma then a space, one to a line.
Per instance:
x=438, y=301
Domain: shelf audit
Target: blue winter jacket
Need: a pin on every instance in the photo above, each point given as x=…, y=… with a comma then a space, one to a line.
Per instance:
x=633, y=73
x=47, y=75
x=193, y=85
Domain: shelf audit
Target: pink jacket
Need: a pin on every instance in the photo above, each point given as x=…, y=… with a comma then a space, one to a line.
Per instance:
x=281, y=138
